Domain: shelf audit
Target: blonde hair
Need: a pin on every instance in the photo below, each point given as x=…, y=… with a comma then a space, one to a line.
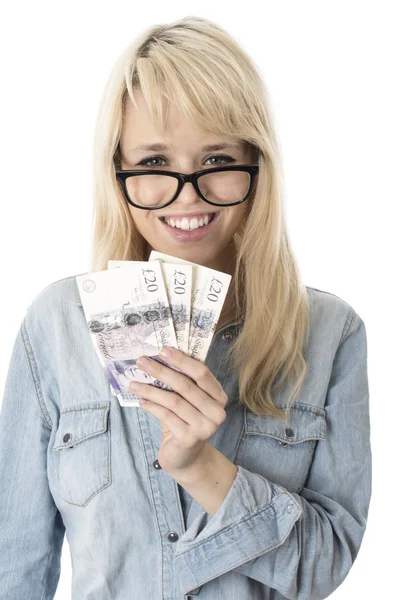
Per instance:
x=196, y=65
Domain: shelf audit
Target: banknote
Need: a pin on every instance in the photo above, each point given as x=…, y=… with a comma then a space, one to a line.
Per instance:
x=178, y=284
x=209, y=289
x=128, y=315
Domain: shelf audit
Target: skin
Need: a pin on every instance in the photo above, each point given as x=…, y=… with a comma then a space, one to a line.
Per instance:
x=218, y=251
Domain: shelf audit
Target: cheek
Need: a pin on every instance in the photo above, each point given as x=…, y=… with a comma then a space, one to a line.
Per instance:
x=147, y=226
x=236, y=218
x=142, y=221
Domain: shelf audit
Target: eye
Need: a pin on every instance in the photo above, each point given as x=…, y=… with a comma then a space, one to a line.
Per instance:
x=227, y=159
x=145, y=162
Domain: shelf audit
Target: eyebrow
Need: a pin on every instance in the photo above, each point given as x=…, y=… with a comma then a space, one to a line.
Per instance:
x=163, y=147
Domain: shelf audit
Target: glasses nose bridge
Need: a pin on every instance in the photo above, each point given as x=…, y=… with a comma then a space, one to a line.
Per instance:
x=188, y=178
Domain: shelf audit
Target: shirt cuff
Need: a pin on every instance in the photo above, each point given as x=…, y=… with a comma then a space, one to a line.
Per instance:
x=255, y=517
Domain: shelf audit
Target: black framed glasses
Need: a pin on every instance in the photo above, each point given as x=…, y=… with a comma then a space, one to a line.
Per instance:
x=219, y=186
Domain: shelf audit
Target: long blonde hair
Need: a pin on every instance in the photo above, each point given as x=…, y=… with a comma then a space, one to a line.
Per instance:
x=196, y=65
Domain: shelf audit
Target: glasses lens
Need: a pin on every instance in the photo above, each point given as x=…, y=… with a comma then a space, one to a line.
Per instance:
x=151, y=189
x=222, y=187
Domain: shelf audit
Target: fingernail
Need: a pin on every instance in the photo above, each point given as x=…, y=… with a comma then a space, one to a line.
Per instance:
x=143, y=362
x=165, y=352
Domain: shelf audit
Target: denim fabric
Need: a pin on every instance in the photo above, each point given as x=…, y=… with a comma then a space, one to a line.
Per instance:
x=290, y=527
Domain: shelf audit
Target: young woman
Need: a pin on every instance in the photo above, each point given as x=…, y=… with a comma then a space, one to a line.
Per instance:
x=252, y=480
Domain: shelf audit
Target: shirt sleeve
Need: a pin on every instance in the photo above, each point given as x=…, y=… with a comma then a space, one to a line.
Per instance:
x=300, y=544
x=31, y=527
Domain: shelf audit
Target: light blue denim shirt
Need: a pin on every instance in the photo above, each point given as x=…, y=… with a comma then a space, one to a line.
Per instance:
x=74, y=462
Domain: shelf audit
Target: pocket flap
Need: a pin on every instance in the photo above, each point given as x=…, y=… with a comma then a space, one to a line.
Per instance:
x=79, y=422
x=306, y=422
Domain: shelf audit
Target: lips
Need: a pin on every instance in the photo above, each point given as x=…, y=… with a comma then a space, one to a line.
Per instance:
x=190, y=235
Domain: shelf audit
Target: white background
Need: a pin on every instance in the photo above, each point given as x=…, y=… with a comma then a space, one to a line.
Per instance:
x=333, y=77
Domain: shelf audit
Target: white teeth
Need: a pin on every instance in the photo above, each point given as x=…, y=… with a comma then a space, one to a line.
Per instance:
x=186, y=225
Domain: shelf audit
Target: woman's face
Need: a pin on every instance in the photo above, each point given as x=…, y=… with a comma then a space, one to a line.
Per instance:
x=184, y=153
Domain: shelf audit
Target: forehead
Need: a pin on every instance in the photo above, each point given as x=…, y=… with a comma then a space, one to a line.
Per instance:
x=140, y=132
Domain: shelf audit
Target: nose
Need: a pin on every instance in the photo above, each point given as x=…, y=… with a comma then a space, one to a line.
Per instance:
x=188, y=194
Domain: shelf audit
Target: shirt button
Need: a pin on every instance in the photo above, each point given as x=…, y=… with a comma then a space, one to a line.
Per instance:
x=282, y=443
x=67, y=437
x=173, y=536
x=156, y=464
x=289, y=432
x=290, y=508
x=227, y=336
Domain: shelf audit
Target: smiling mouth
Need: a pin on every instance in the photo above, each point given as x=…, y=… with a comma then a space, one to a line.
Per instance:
x=211, y=218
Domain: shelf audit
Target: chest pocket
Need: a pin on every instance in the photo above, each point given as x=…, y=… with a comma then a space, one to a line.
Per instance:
x=282, y=452
x=83, y=441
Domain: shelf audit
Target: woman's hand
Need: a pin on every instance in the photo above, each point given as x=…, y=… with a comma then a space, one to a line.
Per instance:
x=189, y=415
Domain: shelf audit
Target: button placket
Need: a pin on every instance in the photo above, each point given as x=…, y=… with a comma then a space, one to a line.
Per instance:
x=172, y=535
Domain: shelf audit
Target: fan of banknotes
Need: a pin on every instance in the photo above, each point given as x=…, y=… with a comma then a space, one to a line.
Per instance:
x=135, y=308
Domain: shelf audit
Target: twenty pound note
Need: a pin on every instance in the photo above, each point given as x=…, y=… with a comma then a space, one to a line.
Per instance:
x=178, y=285
x=128, y=316
x=209, y=289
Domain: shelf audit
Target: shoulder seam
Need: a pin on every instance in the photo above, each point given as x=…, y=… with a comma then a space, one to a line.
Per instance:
x=351, y=313
x=348, y=324
x=35, y=374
